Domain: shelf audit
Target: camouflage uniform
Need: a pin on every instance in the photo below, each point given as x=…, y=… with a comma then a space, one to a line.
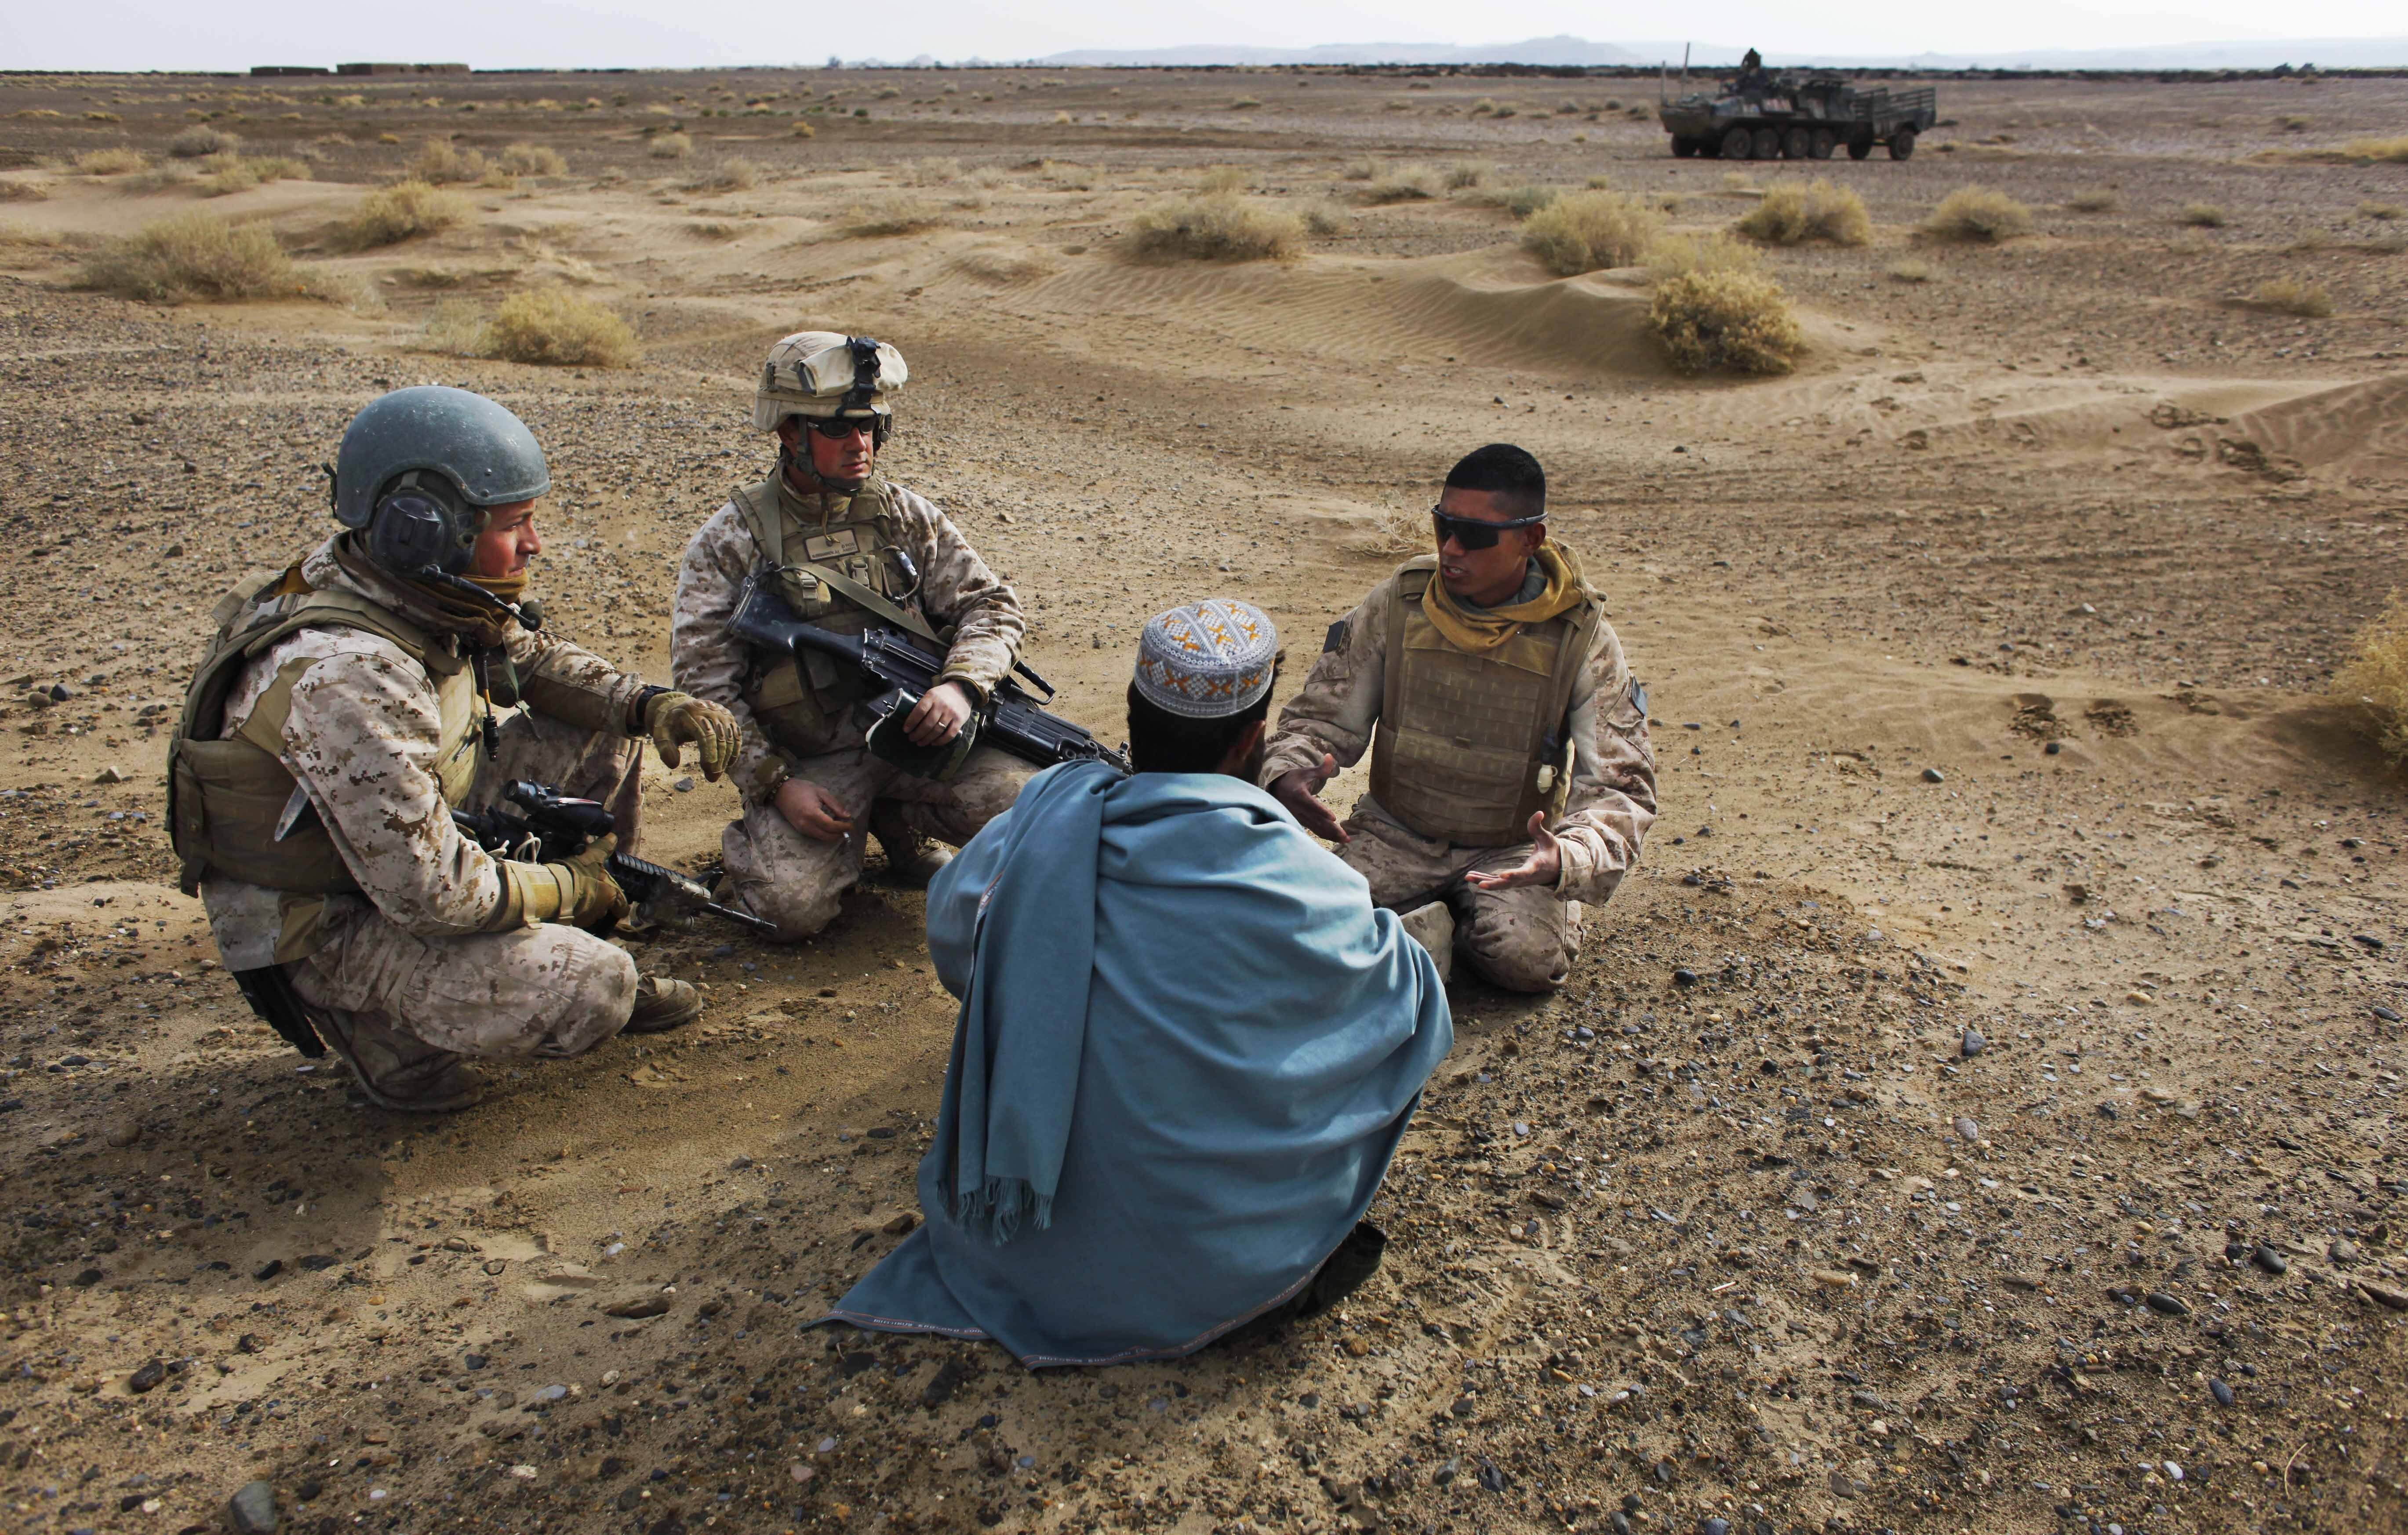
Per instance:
x=1523, y=938
x=407, y=968
x=779, y=874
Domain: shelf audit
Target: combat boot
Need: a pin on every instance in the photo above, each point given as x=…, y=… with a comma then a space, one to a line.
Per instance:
x=663, y=1004
x=911, y=860
x=394, y=1070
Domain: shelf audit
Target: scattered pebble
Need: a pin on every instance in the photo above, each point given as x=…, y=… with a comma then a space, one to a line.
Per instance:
x=251, y=1511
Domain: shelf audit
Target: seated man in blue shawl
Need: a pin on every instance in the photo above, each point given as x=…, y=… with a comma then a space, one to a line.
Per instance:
x=1188, y=1043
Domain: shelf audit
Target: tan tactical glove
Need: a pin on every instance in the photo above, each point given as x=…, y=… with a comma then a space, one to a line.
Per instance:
x=579, y=891
x=672, y=719
x=589, y=897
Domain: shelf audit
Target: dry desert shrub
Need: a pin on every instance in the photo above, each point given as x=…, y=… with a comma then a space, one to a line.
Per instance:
x=932, y=170
x=1244, y=103
x=1673, y=254
x=195, y=142
x=1002, y=264
x=1064, y=117
x=223, y=173
x=1408, y=184
x=1327, y=216
x=734, y=174
x=669, y=147
x=111, y=161
x=23, y=192
x=1524, y=200
x=2376, y=677
x=193, y=256
x=1394, y=531
x=1469, y=173
x=1729, y=321
x=2094, y=200
x=534, y=160
x=2382, y=212
x=804, y=130
x=888, y=213
x=2381, y=152
x=1360, y=170
x=2288, y=296
x=560, y=329
x=2203, y=216
x=1069, y=177
x=1910, y=271
x=403, y=211
x=1591, y=231
x=1224, y=180
x=1980, y=215
x=990, y=177
x=438, y=164
x=1791, y=214
x=1215, y=228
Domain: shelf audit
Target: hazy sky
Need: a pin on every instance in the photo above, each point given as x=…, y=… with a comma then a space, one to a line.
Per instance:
x=490, y=34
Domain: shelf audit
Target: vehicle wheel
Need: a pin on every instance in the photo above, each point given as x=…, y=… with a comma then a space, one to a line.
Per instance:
x=1739, y=144
x=1825, y=143
x=1796, y=144
x=1901, y=144
x=1860, y=148
x=1768, y=144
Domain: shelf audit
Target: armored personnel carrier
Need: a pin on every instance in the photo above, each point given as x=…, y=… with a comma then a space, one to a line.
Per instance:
x=1792, y=116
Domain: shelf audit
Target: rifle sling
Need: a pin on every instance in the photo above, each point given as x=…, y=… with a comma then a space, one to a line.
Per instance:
x=875, y=601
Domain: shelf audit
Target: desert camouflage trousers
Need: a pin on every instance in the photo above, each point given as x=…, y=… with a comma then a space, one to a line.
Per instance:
x=412, y=1008
x=1522, y=940
x=787, y=878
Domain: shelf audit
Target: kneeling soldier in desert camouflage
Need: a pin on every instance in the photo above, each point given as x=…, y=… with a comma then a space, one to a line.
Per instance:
x=1510, y=774
x=847, y=551
x=348, y=707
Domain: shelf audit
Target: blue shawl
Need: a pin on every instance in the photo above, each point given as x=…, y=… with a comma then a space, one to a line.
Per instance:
x=1188, y=1045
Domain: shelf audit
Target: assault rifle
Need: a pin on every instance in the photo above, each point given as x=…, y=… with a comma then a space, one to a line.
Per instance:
x=556, y=827
x=900, y=671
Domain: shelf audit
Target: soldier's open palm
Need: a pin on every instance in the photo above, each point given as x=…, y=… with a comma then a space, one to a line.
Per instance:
x=1544, y=865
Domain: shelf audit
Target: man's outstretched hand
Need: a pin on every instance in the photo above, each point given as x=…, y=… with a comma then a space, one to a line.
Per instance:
x=1299, y=790
x=1544, y=865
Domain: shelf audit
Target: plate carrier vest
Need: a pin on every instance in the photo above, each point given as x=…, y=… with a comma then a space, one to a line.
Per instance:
x=227, y=798
x=1468, y=747
x=836, y=572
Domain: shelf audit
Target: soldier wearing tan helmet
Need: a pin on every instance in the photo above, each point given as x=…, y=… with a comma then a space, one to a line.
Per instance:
x=848, y=550
x=1512, y=779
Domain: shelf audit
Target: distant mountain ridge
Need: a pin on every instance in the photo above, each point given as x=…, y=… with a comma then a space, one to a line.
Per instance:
x=1563, y=50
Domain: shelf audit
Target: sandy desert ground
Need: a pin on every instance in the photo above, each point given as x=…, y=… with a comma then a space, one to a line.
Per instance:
x=1976, y=1114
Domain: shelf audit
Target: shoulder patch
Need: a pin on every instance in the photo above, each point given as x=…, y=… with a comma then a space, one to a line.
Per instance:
x=1336, y=638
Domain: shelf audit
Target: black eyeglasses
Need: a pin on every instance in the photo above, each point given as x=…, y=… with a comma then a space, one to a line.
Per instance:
x=838, y=428
x=1474, y=534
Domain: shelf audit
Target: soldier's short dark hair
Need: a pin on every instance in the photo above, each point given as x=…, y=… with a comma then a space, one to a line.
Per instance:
x=1505, y=471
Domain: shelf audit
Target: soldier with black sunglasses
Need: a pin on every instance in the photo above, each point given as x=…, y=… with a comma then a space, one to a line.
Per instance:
x=1511, y=778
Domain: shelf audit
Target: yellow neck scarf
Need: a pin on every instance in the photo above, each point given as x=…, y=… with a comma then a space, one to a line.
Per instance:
x=1488, y=630
x=507, y=588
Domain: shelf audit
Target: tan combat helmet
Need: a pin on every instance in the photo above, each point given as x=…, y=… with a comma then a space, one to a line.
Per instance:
x=820, y=374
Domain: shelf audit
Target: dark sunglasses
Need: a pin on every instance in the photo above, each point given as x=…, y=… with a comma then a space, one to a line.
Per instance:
x=1474, y=534
x=838, y=428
